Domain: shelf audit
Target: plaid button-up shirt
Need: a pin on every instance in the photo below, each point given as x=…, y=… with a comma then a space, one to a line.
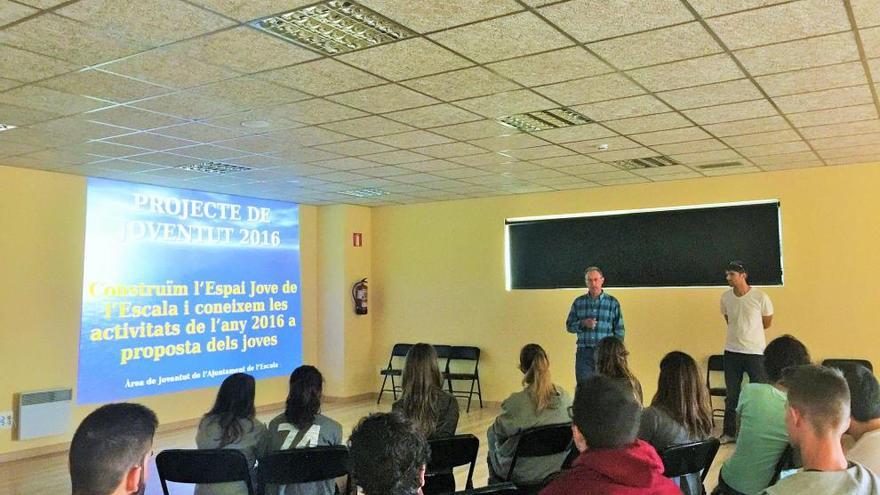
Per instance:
x=605, y=309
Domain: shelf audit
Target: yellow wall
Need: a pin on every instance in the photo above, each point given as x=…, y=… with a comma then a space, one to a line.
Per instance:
x=439, y=275
x=42, y=218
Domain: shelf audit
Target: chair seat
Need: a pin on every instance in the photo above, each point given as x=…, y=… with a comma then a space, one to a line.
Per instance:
x=461, y=376
x=718, y=391
x=387, y=372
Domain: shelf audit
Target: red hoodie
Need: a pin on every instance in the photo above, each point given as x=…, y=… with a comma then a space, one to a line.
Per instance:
x=632, y=470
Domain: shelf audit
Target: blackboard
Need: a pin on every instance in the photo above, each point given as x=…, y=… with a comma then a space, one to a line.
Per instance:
x=681, y=247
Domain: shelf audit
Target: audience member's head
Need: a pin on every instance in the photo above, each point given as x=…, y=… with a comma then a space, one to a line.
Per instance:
x=235, y=401
x=818, y=404
x=682, y=394
x=611, y=361
x=422, y=384
x=535, y=365
x=388, y=455
x=605, y=415
x=864, y=398
x=783, y=353
x=110, y=448
x=304, y=397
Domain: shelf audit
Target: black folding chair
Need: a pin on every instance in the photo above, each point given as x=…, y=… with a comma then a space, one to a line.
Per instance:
x=398, y=352
x=690, y=458
x=443, y=352
x=288, y=467
x=451, y=452
x=716, y=364
x=834, y=363
x=499, y=489
x=471, y=358
x=538, y=442
x=203, y=466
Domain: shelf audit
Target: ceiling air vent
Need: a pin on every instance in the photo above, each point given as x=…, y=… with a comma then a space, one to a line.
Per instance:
x=650, y=162
x=368, y=192
x=216, y=168
x=543, y=120
x=712, y=166
x=334, y=27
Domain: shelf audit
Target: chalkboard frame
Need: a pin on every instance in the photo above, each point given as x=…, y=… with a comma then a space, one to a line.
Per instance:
x=764, y=259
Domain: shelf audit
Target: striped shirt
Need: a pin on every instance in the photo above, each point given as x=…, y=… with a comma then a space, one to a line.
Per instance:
x=606, y=310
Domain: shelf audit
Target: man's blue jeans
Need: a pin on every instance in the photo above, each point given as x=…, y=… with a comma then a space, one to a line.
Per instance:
x=584, y=363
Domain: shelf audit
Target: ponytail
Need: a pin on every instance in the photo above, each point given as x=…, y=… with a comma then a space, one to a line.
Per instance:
x=535, y=365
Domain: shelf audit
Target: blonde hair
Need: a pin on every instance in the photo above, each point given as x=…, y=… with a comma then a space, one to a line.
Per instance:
x=611, y=362
x=533, y=362
x=422, y=386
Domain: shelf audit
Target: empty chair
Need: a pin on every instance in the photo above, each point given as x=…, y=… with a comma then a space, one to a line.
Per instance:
x=538, y=442
x=690, y=462
x=469, y=357
x=203, y=466
x=398, y=353
x=443, y=352
x=716, y=364
x=837, y=362
x=500, y=489
x=451, y=452
x=288, y=467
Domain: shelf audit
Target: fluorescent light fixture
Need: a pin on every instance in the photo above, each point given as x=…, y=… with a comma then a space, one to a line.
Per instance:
x=649, y=162
x=334, y=27
x=216, y=168
x=6, y=127
x=543, y=120
x=367, y=192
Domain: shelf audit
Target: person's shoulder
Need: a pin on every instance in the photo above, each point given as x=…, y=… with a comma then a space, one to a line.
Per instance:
x=277, y=420
x=327, y=422
x=610, y=297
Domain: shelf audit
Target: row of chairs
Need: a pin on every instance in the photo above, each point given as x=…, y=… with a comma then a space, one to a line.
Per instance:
x=331, y=462
x=716, y=365
x=457, y=363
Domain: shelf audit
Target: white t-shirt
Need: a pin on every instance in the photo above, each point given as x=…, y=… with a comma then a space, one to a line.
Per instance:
x=745, y=328
x=867, y=451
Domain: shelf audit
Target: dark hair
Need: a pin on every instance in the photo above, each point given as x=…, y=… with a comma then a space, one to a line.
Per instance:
x=863, y=390
x=606, y=413
x=611, y=361
x=422, y=387
x=109, y=441
x=682, y=395
x=235, y=401
x=304, y=397
x=782, y=353
x=387, y=451
x=821, y=395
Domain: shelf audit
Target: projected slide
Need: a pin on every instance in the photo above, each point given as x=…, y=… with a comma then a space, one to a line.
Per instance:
x=182, y=288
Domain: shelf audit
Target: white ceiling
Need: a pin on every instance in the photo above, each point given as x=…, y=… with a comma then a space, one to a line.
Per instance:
x=132, y=90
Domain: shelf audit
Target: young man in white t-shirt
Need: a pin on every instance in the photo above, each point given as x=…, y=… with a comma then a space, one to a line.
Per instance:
x=748, y=313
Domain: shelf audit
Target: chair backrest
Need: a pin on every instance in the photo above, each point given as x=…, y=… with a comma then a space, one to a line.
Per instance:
x=203, y=466
x=400, y=350
x=286, y=467
x=541, y=441
x=688, y=458
x=451, y=452
x=465, y=359
x=443, y=351
x=716, y=362
x=507, y=488
x=834, y=363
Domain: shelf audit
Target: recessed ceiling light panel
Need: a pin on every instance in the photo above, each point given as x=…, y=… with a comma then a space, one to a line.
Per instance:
x=334, y=27
x=543, y=120
x=367, y=192
x=216, y=168
x=649, y=162
x=6, y=127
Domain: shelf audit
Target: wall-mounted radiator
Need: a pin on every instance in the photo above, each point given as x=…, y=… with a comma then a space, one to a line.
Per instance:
x=44, y=413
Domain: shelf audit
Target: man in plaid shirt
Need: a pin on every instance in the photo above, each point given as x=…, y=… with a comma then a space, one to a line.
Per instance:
x=593, y=316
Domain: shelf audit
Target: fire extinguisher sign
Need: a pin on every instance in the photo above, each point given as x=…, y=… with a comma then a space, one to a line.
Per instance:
x=357, y=239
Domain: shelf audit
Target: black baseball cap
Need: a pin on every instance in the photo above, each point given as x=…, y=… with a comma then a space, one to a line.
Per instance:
x=736, y=266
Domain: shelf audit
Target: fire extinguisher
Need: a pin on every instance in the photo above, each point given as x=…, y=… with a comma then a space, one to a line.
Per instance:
x=359, y=294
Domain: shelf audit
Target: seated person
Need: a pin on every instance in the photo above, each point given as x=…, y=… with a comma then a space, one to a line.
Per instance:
x=540, y=403
x=611, y=361
x=232, y=424
x=679, y=412
x=388, y=455
x=817, y=415
x=110, y=449
x=612, y=460
x=432, y=409
x=762, y=437
x=301, y=425
x=864, y=425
